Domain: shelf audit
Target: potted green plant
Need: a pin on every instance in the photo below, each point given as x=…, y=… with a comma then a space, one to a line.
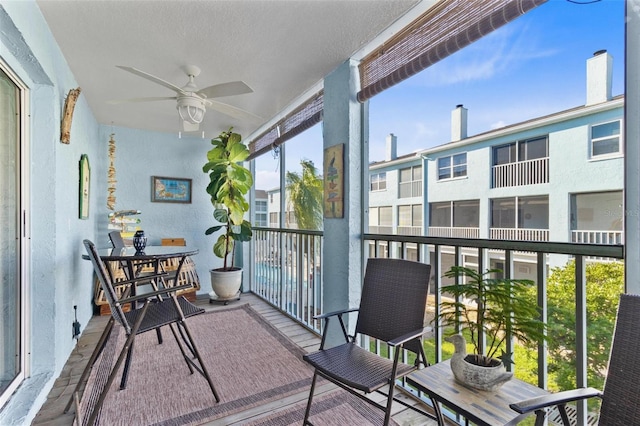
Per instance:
x=229, y=183
x=490, y=309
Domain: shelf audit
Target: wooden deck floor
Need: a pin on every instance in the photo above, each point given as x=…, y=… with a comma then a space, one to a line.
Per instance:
x=52, y=412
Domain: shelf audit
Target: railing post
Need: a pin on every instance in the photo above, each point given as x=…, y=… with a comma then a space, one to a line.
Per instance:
x=581, y=335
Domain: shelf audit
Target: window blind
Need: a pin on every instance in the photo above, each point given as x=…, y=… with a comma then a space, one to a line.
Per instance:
x=444, y=29
x=307, y=115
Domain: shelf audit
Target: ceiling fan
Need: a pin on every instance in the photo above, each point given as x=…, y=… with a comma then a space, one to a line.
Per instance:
x=191, y=101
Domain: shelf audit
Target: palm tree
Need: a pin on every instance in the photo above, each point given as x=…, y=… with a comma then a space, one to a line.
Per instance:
x=305, y=196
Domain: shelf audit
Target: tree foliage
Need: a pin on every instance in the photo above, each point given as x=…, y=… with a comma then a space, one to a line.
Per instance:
x=605, y=283
x=305, y=192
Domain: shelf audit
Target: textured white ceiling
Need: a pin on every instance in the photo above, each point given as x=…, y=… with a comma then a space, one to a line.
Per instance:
x=279, y=48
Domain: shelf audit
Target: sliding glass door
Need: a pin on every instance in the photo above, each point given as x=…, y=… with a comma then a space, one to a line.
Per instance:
x=12, y=285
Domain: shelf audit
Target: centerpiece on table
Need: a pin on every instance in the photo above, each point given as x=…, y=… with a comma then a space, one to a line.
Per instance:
x=489, y=309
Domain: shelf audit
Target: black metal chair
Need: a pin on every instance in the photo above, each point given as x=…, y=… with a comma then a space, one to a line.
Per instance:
x=154, y=313
x=392, y=310
x=621, y=394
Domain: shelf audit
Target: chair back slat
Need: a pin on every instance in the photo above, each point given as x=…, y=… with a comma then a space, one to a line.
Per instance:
x=394, y=299
x=621, y=391
x=107, y=286
x=116, y=239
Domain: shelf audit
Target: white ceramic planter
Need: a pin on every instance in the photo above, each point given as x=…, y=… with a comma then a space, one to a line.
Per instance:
x=225, y=284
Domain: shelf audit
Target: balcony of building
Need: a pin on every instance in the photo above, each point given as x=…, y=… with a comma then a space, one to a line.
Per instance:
x=529, y=172
x=288, y=289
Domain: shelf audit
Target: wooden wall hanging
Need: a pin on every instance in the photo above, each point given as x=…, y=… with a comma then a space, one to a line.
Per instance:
x=67, y=115
x=111, y=175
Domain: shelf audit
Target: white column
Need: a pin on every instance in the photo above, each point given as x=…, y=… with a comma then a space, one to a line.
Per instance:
x=344, y=122
x=632, y=149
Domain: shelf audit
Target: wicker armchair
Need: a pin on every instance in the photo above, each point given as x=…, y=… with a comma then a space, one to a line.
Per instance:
x=621, y=394
x=392, y=310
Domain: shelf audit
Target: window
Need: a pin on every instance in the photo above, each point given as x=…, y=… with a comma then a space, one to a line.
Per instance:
x=457, y=214
x=597, y=211
x=410, y=215
x=378, y=182
x=466, y=214
x=410, y=182
x=605, y=139
x=274, y=219
x=381, y=216
x=531, y=212
x=261, y=213
x=440, y=214
x=528, y=149
x=452, y=166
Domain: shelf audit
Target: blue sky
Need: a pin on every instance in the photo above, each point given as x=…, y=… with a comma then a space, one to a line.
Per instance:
x=531, y=67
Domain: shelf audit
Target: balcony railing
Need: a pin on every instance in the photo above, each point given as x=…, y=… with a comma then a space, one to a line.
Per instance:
x=454, y=232
x=284, y=259
x=409, y=230
x=597, y=237
x=381, y=229
x=529, y=172
x=288, y=272
x=520, y=234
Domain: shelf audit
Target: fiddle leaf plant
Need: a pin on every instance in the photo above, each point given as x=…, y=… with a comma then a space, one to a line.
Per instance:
x=229, y=183
x=491, y=309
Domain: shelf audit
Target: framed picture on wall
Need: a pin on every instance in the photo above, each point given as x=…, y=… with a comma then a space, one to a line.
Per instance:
x=85, y=185
x=334, y=181
x=170, y=189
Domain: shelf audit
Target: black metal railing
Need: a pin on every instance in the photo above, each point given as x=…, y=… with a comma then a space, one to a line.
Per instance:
x=288, y=274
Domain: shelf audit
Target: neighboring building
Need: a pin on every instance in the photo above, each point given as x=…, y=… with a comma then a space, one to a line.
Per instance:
x=553, y=178
x=261, y=208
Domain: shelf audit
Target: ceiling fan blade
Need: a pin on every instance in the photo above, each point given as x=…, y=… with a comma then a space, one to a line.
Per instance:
x=232, y=111
x=190, y=127
x=226, y=89
x=152, y=78
x=153, y=99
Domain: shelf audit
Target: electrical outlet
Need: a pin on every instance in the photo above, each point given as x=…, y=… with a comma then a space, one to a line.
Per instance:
x=76, y=324
x=76, y=329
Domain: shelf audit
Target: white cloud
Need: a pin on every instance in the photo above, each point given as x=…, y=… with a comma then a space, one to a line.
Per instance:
x=496, y=54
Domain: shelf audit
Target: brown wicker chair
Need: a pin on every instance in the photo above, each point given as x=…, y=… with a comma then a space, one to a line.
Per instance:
x=392, y=310
x=170, y=310
x=621, y=395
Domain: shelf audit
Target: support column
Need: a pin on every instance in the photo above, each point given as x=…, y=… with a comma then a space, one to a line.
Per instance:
x=632, y=149
x=344, y=122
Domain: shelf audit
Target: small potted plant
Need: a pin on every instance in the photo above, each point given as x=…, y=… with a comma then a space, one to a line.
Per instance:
x=486, y=305
x=229, y=183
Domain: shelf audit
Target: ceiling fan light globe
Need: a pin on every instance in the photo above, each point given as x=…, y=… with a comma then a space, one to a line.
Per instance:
x=191, y=110
x=191, y=114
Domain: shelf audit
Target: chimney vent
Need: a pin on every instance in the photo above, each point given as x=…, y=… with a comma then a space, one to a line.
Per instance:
x=599, y=77
x=392, y=147
x=458, y=123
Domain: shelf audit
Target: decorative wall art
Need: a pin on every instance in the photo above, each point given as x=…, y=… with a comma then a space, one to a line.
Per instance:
x=85, y=185
x=170, y=190
x=334, y=181
x=67, y=115
x=111, y=175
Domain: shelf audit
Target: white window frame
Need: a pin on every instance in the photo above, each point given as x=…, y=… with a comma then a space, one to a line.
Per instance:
x=595, y=140
x=452, y=167
x=377, y=179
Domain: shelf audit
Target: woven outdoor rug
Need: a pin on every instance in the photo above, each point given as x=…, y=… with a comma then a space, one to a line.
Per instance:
x=337, y=408
x=250, y=363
